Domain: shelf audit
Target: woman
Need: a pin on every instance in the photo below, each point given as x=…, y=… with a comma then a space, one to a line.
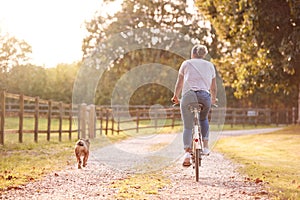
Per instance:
x=197, y=83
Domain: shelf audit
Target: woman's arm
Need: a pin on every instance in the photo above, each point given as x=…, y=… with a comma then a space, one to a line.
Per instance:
x=213, y=91
x=178, y=88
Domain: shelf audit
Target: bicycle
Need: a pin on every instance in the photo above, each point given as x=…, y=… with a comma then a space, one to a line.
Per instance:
x=197, y=142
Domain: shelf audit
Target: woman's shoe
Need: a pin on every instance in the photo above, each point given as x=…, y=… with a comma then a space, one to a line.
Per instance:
x=205, y=151
x=187, y=160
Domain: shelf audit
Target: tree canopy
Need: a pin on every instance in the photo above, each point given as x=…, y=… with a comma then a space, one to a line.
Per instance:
x=18, y=75
x=13, y=52
x=259, y=45
x=142, y=32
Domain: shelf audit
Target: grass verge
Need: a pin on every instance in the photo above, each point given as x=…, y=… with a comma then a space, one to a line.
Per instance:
x=228, y=127
x=21, y=163
x=272, y=158
x=139, y=186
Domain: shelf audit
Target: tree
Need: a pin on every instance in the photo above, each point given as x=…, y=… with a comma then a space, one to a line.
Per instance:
x=259, y=44
x=13, y=52
x=137, y=14
x=60, y=81
x=28, y=79
x=142, y=32
x=47, y=83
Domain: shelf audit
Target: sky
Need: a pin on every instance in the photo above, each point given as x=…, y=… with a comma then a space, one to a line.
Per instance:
x=53, y=28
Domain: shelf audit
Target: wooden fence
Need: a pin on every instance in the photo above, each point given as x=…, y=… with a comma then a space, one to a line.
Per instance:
x=260, y=116
x=20, y=107
x=111, y=118
x=85, y=121
x=115, y=119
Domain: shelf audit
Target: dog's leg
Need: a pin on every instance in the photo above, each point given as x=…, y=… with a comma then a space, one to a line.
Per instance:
x=86, y=156
x=79, y=163
x=78, y=160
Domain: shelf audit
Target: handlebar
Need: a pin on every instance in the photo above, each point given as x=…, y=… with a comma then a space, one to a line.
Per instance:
x=212, y=105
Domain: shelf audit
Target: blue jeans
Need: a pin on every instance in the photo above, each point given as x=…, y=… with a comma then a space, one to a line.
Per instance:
x=187, y=116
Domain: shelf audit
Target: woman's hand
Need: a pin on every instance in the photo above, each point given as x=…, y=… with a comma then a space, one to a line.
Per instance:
x=175, y=100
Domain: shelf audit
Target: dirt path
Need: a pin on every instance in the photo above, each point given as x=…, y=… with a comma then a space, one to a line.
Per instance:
x=219, y=178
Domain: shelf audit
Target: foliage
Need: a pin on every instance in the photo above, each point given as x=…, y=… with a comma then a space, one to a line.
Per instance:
x=60, y=82
x=259, y=44
x=13, y=52
x=52, y=83
x=149, y=26
x=27, y=79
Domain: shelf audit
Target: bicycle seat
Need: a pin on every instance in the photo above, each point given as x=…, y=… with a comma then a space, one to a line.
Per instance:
x=196, y=105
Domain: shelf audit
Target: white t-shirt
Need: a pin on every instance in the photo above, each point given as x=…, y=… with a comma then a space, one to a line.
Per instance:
x=198, y=74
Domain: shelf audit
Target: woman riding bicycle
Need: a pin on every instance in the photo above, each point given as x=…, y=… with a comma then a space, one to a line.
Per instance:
x=197, y=81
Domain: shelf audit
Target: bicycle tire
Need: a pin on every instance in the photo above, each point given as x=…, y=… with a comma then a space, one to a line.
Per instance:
x=197, y=164
x=200, y=158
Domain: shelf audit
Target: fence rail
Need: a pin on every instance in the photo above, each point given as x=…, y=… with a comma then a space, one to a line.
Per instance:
x=21, y=107
x=87, y=120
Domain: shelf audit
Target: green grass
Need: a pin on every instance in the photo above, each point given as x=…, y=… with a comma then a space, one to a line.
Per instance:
x=28, y=123
x=138, y=186
x=272, y=157
x=246, y=126
x=21, y=163
x=12, y=123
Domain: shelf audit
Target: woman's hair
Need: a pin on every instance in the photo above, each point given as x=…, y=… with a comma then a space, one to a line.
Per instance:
x=199, y=51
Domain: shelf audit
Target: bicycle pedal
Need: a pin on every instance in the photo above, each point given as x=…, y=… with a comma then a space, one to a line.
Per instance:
x=204, y=154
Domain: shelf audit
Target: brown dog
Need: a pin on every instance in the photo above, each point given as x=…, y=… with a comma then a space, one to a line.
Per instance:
x=82, y=147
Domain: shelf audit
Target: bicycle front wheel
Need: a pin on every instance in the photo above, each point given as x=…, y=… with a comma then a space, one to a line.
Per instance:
x=197, y=163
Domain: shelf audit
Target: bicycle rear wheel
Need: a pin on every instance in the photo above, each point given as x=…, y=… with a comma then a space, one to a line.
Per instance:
x=197, y=163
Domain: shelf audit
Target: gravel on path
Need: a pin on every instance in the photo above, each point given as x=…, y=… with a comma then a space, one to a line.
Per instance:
x=219, y=179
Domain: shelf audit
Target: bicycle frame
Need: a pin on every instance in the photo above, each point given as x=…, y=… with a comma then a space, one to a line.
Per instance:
x=196, y=133
x=197, y=143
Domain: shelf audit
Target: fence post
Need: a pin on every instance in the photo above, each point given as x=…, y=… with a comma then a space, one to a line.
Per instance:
x=49, y=120
x=244, y=118
x=70, y=121
x=21, y=117
x=267, y=114
x=83, y=120
x=233, y=120
x=277, y=118
x=256, y=116
x=117, y=113
x=60, y=121
x=137, y=120
x=36, y=119
x=91, y=122
x=106, y=122
x=78, y=120
x=112, y=124
x=173, y=117
x=287, y=116
x=101, y=120
x=294, y=115
x=298, y=120
x=118, y=131
x=156, y=115
x=2, y=117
